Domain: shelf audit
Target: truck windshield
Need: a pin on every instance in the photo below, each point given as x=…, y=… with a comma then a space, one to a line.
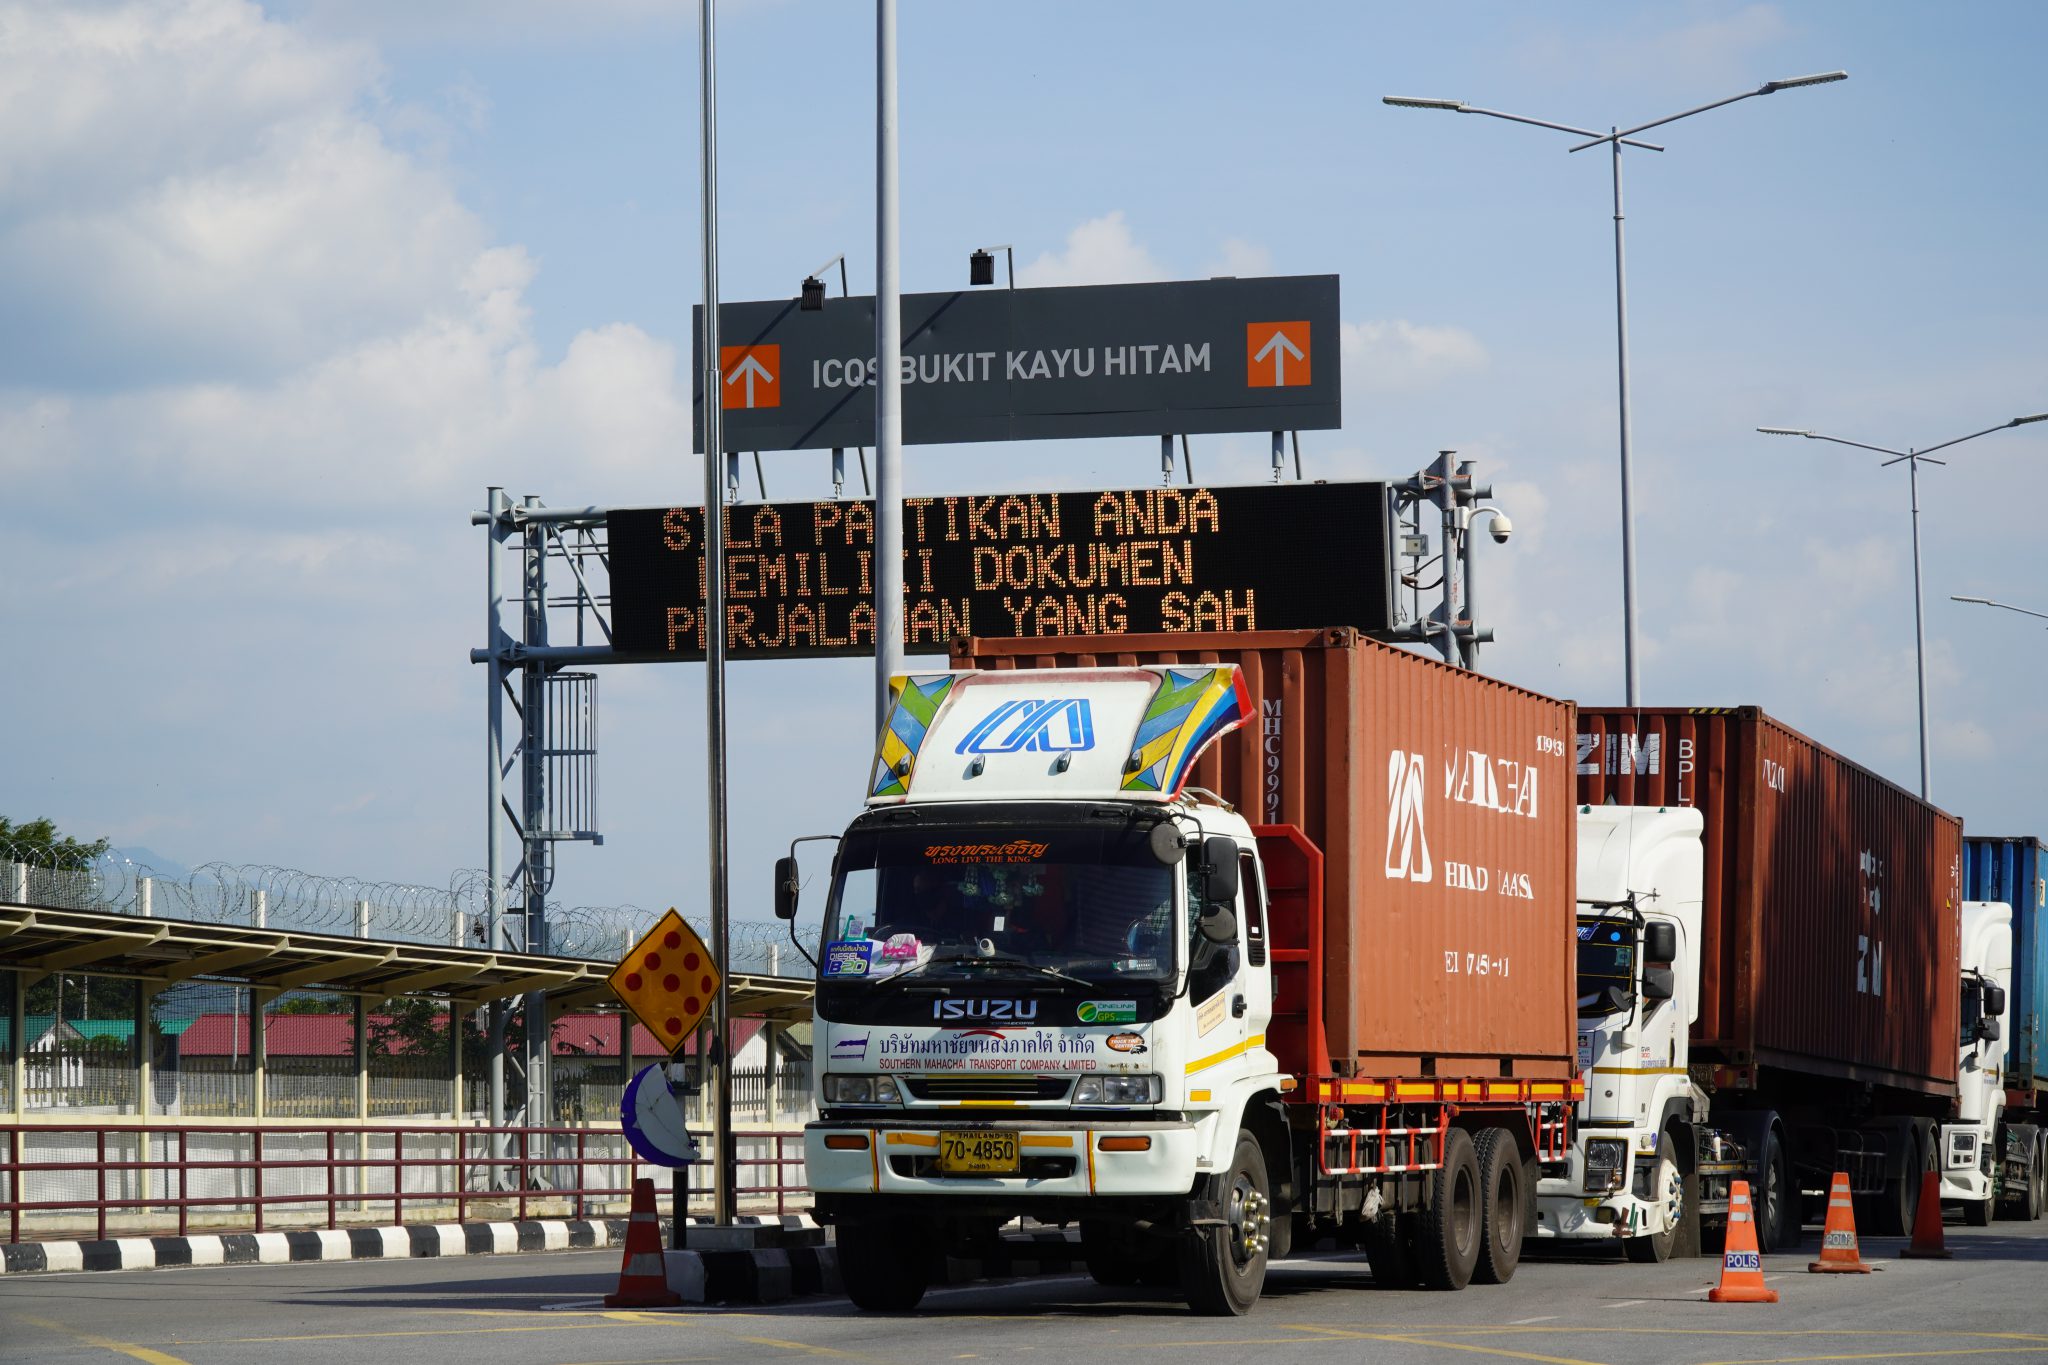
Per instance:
x=1081, y=901
x=1607, y=969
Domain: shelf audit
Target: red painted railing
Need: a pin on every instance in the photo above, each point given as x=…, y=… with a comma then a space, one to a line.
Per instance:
x=571, y=1172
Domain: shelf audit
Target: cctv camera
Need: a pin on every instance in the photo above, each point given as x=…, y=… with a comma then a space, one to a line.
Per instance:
x=1502, y=528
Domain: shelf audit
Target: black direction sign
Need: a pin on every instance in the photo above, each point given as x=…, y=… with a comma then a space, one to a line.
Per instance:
x=800, y=582
x=1029, y=364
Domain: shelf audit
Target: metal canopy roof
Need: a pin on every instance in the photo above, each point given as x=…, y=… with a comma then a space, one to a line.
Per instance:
x=39, y=941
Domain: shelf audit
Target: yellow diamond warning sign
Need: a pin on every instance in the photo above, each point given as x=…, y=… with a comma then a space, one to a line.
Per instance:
x=667, y=980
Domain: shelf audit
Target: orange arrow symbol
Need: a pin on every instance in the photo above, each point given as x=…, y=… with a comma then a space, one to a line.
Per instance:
x=1279, y=348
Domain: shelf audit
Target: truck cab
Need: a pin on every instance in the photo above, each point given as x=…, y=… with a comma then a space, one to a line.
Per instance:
x=1970, y=1144
x=1043, y=987
x=1640, y=880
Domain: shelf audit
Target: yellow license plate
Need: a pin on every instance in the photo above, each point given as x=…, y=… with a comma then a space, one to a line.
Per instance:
x=979, y=1151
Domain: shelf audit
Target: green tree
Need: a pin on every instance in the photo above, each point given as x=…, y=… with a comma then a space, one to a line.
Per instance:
x=38, y=842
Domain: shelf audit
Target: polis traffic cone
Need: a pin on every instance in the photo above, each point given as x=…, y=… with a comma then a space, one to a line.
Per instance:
x=1838, y=1251
x=1928, y=1243
x=643, y=1274
x=1742, y=1268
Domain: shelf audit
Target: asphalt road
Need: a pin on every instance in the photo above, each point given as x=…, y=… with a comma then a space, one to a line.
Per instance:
x=1988, y=1304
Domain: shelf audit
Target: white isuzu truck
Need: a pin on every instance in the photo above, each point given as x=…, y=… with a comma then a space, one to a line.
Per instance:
x=1215, y=944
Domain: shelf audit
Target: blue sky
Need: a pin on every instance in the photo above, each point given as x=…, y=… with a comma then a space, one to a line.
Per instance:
x=289, y=285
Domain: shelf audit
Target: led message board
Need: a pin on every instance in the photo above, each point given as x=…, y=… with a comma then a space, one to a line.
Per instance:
x=799, y=575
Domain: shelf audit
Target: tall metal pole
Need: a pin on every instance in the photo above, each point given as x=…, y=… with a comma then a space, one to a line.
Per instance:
x=723, y=1210
x=536, y=853
x=889, y=382
x=1919, y=622
x=494, y=801
x=1628, y=507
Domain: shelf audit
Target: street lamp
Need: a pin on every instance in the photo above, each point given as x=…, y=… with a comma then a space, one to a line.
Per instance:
x=1913, y=458
x=1617, y=138
x=2006, y=606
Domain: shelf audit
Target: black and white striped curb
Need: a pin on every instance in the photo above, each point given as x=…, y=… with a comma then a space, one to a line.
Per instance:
x=333, y=1244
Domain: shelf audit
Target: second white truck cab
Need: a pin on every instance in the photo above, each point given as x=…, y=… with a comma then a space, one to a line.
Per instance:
x=1970, y=1143
x=1640, y=884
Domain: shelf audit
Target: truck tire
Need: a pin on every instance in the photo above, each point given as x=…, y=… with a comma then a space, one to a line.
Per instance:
x=1772, y=1203
x=1503, y=1206
x=885, y=1263
x=1390, y=1251
x=1977, y=1213
x=2037, y=1181
x=1893, y=1210
x=1450, y=1241
x=1668, y=1188
x=1223, y=1268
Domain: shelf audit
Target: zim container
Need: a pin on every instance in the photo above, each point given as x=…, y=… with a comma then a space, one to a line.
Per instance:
x=1441, y=802
x=1832, y=919
x=2013, y=871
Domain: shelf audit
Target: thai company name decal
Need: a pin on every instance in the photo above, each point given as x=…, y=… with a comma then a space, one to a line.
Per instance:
x=1407, y=844
x=1062, y=725
x=1013, y=1011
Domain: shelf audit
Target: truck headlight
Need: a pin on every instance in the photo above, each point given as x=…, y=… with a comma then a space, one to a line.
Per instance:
x=1606, y=1165
x=1118, y=1090
x=861, y=1090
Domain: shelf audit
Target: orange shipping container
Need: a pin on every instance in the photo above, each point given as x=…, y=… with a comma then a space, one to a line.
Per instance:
x=1441, y=801
x=1833, y=898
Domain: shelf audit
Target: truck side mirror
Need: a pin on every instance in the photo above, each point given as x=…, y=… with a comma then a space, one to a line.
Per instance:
x=1218, y=923
x=785, y=888
x=1660, y=945
x=1994, y=1000
x=1659, y=983
x=1219, y=871
x=1987, y=1029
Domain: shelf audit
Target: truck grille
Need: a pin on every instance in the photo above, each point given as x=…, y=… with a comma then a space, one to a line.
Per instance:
x=969, y=1088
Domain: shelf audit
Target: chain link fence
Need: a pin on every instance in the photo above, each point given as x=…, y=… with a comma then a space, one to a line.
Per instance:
x=267, y=896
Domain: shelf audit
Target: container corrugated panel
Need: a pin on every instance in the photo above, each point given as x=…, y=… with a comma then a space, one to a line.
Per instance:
x=1832, y=918
x=2014, y=871
x=1441, y=800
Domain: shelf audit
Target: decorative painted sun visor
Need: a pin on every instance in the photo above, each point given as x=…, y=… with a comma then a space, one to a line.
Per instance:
x=1055, y=734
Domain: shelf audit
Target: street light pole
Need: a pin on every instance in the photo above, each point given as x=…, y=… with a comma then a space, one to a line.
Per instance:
x=2002, y=606
x=1616, y=138
x=1912, y=459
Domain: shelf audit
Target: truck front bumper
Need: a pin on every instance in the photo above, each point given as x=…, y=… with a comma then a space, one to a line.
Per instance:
x=1562, y=1212
x=1057, y=1158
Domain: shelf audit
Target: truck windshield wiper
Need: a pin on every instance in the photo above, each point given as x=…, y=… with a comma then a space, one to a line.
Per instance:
x=1053, y=972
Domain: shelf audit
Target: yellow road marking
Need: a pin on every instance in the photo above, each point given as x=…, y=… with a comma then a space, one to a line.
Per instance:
x=129, y=1349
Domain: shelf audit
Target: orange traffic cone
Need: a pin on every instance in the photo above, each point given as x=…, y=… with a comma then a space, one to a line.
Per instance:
x=1742, y=1267
x=1928, y=1243
x=643, y=1274
x=1838, y=1251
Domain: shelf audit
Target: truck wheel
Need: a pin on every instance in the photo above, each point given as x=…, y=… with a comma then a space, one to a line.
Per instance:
x=1503, y=1204
x=1390, y=1251
x=885, y=1263
x=1223, y=1268
x=1977, y=1213
x=1668, y=1189
x=1896, y=1206
x=1451, y=1224
x=1777, y=1227
x=2037, y=1182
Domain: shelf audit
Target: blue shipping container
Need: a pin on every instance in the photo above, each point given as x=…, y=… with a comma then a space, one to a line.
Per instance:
x=2013, y=871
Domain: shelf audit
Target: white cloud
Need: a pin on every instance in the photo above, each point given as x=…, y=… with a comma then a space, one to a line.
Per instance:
x=1099, y=251
x=1398, y=356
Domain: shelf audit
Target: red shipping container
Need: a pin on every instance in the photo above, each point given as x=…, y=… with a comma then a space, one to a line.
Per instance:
x=1441, y=802
x=1832, y=918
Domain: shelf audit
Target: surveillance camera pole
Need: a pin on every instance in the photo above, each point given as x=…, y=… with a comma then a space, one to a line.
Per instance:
x=889, y=382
